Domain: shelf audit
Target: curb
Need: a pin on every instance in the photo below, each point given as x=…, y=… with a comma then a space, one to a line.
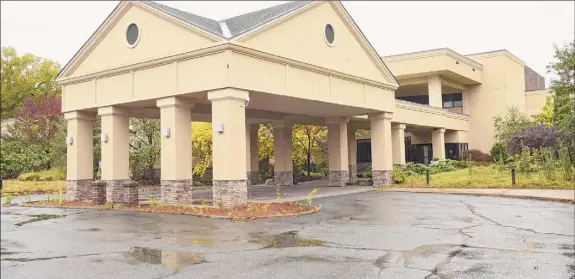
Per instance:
x=549, y=199
x=312, y=211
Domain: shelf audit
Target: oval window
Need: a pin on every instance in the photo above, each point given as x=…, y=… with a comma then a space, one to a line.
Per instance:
x=329, y=34
x=132, y=34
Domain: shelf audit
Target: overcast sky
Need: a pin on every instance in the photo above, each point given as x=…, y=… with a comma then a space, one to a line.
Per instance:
x=57, y=29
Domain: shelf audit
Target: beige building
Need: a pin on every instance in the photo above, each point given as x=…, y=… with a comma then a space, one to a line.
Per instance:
x=296, y=63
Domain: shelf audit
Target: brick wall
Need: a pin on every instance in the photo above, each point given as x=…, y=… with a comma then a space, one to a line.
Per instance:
x=533, y=80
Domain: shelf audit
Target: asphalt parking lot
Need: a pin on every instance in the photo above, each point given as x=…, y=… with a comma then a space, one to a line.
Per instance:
x=357, y=235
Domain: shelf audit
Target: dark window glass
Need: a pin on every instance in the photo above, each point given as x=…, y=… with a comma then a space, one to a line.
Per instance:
x=447, y=100
x=452, y=100
x=421, y=99
x=458, y=100
x=132, y=34
x=329, y=34
x=364, y=151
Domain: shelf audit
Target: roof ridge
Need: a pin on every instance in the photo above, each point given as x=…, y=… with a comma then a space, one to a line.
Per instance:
x=243, y=23
x=233, y=26
x=172, y=8
x=261, y=10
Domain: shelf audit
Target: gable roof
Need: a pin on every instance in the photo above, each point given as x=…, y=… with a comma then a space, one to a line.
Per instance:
x=234, y=26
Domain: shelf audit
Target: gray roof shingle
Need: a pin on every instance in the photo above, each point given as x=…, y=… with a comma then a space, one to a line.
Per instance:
x=236, y=25
x=210, y=25
x=243, y=23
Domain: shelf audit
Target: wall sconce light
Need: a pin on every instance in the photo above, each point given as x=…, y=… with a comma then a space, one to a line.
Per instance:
x=166, y=132
x=69, y=140
x=104, y=138
x=219, y=127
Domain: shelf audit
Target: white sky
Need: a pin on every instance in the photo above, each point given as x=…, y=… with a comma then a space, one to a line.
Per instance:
x=57, y=29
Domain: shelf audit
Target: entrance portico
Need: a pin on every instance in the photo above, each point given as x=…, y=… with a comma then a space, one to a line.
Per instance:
x=179, y=72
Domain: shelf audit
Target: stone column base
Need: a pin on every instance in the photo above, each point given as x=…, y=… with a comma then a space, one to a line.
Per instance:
x=352, y=172
x=176, y=191
x=230, y=193
x=254, y=178
x=283, y=177
x=382, y=178
x=115, y=191
x=79, y=190
x=99, y=192
x=338, y=178
x=131, y=195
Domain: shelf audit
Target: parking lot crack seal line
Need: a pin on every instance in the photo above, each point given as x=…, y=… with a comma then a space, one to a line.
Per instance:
x=474, y=212
x=56, y=257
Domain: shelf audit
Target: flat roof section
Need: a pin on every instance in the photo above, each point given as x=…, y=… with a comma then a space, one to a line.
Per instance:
x=443, y=61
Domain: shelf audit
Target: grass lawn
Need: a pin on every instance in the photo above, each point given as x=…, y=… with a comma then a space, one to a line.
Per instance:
x=18, y=188
x=486, y=177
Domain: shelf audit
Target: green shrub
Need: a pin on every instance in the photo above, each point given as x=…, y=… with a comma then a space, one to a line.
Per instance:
x=47, y=175
x=398, y=175
x=499, y=153
x=29, y=176
x=476, y=156
x=415, y=168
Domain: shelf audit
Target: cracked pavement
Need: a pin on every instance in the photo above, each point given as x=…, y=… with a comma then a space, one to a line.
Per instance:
x=360, y=235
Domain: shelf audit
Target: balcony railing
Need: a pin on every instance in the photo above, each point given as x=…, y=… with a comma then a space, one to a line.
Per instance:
x=429, y=109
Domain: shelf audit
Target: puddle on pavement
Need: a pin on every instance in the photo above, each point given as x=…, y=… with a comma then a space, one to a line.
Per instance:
x=531, y=247
x=89, y=230
x=168, y=259
x=197, y=241
x=285, y=240
x=427, y=250
x=404, y=258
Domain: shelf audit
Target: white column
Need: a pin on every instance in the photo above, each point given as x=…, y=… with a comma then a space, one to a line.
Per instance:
x=252, y=158
x=229, y=146
x=79, y=155
x=352, y=151
x=398, y=144
x=381, y=149
x=434, y=91
x=115, y=141
x=337, y=150
x=176, y=149
x=438, y=143
x=283, y=150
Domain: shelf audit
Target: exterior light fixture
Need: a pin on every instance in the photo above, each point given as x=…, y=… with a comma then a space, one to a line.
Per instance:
x=69, y=140
x=166, y=132
x=219, y=127
x=104, y=138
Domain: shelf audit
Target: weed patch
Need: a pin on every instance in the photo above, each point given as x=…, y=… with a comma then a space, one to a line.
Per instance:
x=38, y=218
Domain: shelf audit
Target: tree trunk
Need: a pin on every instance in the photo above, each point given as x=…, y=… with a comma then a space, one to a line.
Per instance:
x=308, y=163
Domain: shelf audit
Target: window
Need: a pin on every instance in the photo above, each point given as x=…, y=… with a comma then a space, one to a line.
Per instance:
x=364, y=151
x=421, y=99
x=452, y=100
x=329, y=34
x=132, y=35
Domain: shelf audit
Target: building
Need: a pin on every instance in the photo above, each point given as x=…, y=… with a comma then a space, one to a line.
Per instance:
x=302, y=62
x=477, y=87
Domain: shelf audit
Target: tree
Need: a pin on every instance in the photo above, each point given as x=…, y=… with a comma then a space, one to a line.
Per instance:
x=564, y=94
x=23, y=77
x=308, y=138
x=506, y=127
x=144, y=145
x=533, y=137
x=266, y=142
x=36, y=140
x=547, y=115
x=202, y=147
